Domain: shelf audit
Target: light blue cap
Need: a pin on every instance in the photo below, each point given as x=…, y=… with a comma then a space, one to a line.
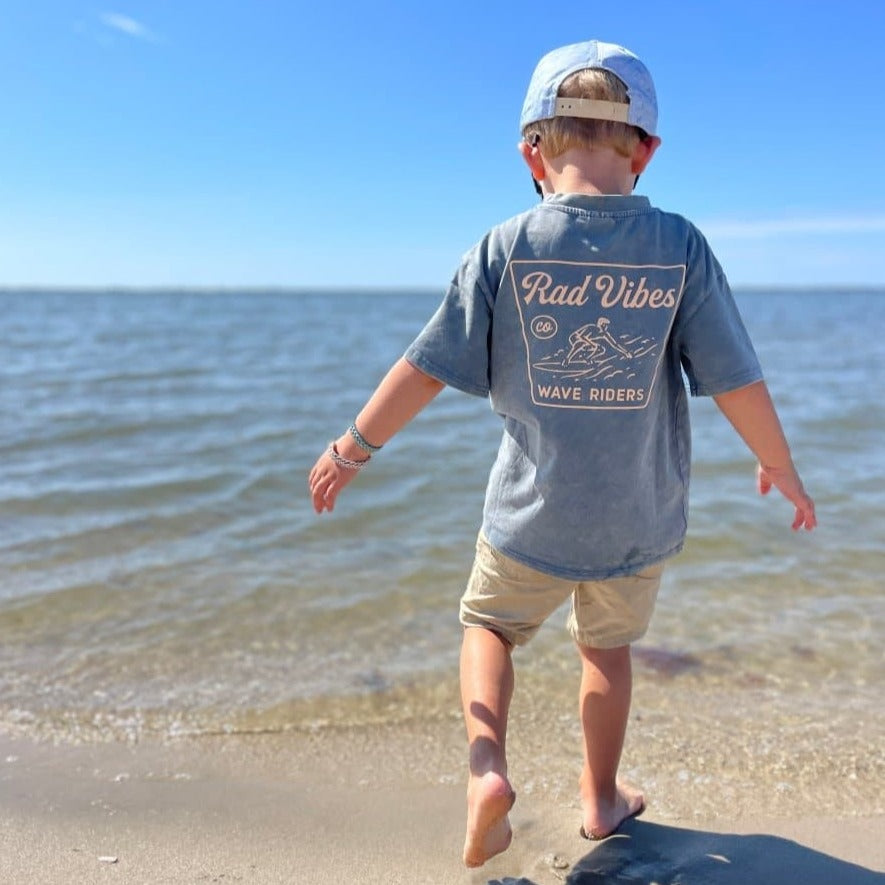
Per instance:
x=541, y=99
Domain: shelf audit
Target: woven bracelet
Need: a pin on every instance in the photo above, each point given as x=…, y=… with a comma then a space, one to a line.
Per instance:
x=362, y=442
x=346, y=463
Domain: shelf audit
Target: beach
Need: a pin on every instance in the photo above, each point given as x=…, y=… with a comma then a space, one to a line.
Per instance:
x=202, y=681
x=385, y=805
x=736, y=793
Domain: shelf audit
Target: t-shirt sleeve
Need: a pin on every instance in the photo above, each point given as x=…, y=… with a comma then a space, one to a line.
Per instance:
x=714, y=347
x=454, y=345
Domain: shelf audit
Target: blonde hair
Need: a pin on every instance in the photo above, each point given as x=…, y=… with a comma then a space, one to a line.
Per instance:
x=559, y=134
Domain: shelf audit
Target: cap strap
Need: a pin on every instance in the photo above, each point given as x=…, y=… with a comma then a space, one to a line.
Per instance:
x=592, y=109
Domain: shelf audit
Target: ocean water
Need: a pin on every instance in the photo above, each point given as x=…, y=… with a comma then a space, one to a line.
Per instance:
x=162, y=571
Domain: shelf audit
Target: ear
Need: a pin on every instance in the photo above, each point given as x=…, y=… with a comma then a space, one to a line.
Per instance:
x=643, y=153
x=533, y=160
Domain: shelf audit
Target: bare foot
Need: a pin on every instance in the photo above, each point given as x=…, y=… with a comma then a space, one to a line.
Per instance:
x=603, y=817
x=489, y=798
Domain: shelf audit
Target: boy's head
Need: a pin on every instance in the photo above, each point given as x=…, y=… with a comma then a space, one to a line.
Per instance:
x=589, y=94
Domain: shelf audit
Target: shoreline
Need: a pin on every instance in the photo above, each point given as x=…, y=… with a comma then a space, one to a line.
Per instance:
x=379, y=805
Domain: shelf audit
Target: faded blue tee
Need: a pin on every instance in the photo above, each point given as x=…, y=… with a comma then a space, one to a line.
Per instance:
x=578, y=319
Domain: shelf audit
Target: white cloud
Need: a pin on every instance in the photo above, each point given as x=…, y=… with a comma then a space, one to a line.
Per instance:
x=805, y=225
x=124, y=24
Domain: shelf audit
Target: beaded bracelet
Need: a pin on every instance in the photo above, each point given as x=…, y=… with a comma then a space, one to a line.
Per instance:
x=346, y=463
x=362, y=442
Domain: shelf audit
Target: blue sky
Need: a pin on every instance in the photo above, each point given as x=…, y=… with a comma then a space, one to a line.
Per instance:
x=183, y=142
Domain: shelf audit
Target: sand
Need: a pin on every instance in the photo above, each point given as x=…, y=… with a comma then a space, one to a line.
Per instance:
x=360, y=806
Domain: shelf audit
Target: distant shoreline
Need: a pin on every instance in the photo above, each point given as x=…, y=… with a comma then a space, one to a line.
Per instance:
x=295, y=290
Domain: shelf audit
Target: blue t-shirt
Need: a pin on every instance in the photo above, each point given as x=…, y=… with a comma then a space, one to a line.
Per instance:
x=578, y=318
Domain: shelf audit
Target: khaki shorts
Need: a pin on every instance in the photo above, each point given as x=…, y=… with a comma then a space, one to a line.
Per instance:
x=514, y=600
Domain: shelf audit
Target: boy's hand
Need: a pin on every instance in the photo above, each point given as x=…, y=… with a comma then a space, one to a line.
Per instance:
x=404, y=391
x=327, y=479
x=787, y=482
x=752, y=415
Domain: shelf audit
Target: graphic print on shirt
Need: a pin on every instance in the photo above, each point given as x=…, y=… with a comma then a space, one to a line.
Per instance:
x=595, y=334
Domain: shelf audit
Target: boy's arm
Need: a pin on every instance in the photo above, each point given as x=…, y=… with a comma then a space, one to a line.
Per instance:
x=753, y=416
x=402, y=393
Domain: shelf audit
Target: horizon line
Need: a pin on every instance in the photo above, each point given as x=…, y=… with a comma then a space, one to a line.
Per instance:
x=293, y=288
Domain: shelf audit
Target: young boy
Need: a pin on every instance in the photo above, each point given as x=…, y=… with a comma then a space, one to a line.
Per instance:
x=578, y=319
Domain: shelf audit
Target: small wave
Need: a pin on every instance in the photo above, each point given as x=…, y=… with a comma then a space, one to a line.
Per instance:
x=122, y=493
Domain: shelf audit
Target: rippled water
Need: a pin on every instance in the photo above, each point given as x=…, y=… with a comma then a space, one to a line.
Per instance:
x=161, y=568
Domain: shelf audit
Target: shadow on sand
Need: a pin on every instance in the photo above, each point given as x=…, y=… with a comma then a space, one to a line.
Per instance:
x=650, y=854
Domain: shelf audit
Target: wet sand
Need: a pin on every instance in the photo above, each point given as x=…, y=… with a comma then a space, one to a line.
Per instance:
x=380, y=805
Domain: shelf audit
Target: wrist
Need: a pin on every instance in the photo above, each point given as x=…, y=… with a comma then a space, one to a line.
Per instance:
x=362, y=442
x=343, y=462
x=347, y=447
x=777, y=465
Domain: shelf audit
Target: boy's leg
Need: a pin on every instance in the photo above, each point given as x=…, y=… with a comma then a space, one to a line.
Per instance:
x=606, y=686
x=486, y=689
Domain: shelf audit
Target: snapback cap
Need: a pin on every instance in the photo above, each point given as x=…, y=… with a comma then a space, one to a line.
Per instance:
x=542, y=102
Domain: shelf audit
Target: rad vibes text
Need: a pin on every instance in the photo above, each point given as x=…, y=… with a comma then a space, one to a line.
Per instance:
x=622, y=290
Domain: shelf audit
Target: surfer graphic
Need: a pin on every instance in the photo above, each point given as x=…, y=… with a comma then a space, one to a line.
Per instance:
x=589, y=343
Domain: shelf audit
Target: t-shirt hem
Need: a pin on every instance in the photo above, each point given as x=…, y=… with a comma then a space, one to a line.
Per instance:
x=735, y=383
x=449, y=378
x=628, y=568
